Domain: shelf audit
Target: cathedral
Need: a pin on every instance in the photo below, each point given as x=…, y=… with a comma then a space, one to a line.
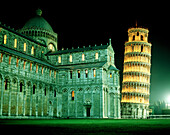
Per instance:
x=39, y=81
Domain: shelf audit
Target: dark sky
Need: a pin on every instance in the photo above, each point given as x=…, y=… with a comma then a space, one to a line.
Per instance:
x=87, y=23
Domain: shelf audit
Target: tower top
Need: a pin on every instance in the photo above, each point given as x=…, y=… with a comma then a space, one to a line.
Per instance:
x=110, y=41
x=39, y=12
x=140, y=29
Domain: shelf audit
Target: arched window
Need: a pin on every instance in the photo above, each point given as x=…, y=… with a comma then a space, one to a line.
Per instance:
x=6, y=84
x=25, y=46
x=59, y=59
x=45, y=92
x=36, y=68
x=55, y=93
x=97, y=56
x=72, y=95
x=138, y=33
x=32, y=50
x=94, y=72
x=110, y=75
x=78, y=73
x=71, y=74
x=141, y=48
x=142, y=37
x=21, y=87
x=15, y=43
x=5, y=39
x=33, y=89
x=42, y=70
x=133, y=37
x=86, y=73
x=71, y=58
x=83, y=57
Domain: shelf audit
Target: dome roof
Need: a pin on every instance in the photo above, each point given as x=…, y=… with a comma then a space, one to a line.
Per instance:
x=38, y=22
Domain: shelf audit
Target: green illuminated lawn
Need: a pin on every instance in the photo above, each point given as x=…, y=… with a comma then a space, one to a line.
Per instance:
x=84, y=126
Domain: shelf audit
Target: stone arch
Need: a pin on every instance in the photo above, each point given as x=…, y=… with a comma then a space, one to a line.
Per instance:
x=64, y=90
x=14, y=80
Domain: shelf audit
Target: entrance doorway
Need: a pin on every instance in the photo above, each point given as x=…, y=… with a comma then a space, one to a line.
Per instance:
x=88, y=112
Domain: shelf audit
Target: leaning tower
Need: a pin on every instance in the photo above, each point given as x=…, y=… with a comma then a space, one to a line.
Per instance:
x=136, y=74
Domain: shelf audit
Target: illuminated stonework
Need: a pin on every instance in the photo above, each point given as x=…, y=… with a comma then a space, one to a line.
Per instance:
x=37, y=80
x=136, y=74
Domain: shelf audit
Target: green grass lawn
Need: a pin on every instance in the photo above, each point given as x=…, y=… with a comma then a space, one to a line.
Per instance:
x=85, y=126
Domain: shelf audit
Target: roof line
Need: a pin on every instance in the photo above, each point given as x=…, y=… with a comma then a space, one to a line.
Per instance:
x=78, y=50
x=19, y=34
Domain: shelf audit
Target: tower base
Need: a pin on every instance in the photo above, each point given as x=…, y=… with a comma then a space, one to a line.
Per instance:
x=134, y=111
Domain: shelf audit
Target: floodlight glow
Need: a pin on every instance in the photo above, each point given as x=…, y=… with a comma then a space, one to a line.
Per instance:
x=168, y=99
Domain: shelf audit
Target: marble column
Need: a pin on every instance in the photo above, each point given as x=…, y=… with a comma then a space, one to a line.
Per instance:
x=76, y=103
x=101, y=102
x=1, y=100
x=31, y=91
x=36, y=99
x=17, y=92
x=24, y=98
x=9, y=101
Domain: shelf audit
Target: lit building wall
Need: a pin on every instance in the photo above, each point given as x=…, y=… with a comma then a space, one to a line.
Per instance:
x=136, y=75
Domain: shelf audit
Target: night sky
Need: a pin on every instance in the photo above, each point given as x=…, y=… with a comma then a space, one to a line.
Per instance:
x=87, y=23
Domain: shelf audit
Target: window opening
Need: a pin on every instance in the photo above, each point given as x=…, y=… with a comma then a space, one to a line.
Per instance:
x=72, y=95
x=133, y=37
x=142, y=37
x=55, y=93
x=1, y=57
x=50, y=73
x=21, y=87
x=59, y=59
x=36, y=68
x=5, y=39
x=86, y=72
x=110, y=75
x=33, y=89
x=25, y=47
x=94, y=72
x=9, y=60
x=83, y=57
x=32, y=50
x=24, y=63
x=45, y=92
x=71, y=58
x=141, y=48
x=17, y=62
x=97, y=56
x=15, y=43
x=71, y=74
x=78, y=73
x=6, y=84
x=30, y=66
x=42, y=70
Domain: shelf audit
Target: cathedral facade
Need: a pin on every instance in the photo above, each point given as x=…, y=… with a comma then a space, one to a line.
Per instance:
x=38, y=80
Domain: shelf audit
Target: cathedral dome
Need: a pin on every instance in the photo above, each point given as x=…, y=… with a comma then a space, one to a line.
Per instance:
x=38, y=22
